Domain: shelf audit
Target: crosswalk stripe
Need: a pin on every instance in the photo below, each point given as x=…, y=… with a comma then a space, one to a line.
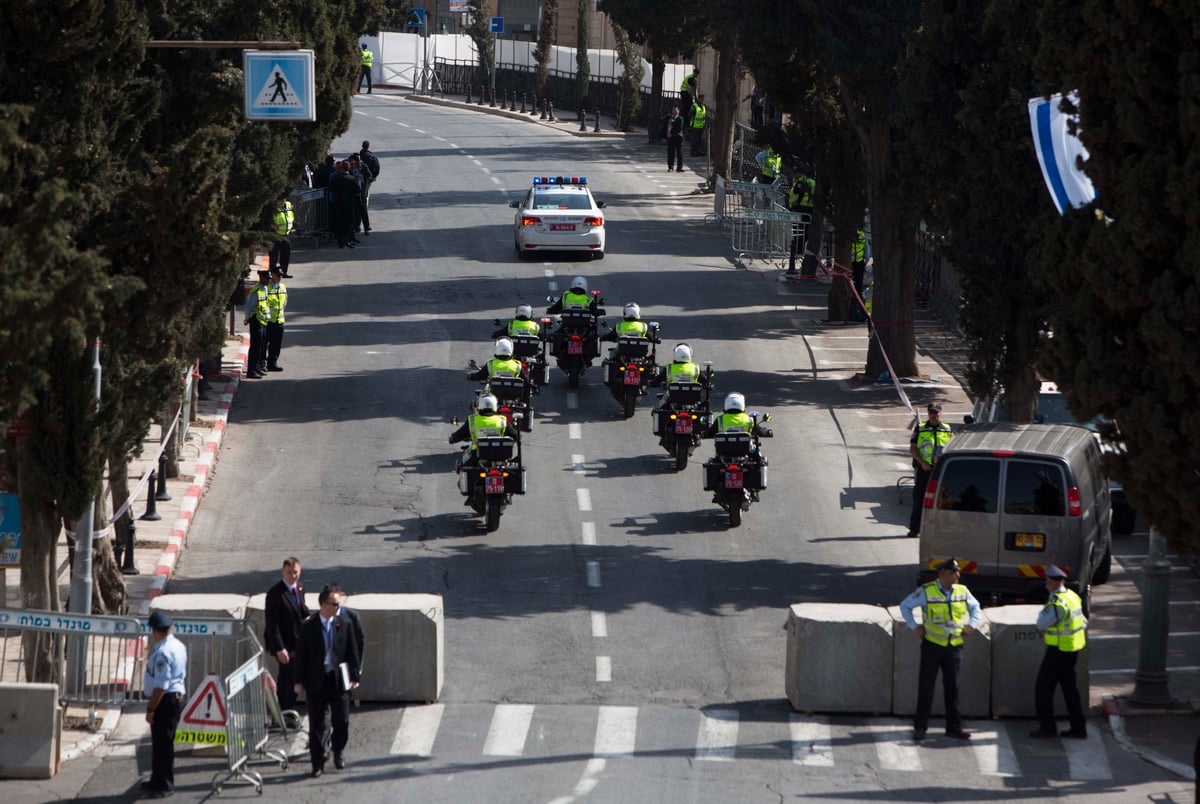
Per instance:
x=993, y=751
x=506, y=735
x=812, y=742
x=616, y=731
x=417, y=730
x=718, y=735
x=894, y=746
x=1086, y=758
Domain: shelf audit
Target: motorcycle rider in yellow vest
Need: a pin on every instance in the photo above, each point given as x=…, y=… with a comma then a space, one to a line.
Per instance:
x=521, y=324
x=1063, y=625
x=502, y=364
x=948, y=612
x=735, y=419
x=485, y=422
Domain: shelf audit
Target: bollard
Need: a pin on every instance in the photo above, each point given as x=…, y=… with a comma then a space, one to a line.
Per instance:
x=597, y=128
x=551, y=105
x=544, y=102
x=482, y=95
x=152, y=514
x=127, y=567
x=492, y=99
x=523, y=110
x=533, y=106
x=582, y=120
x=468, y=92
x=160, y=493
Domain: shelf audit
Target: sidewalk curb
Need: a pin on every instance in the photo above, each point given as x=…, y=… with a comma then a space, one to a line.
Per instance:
x=204, y=464
x=1116, y=724
x=112, y=716
x=560, y=124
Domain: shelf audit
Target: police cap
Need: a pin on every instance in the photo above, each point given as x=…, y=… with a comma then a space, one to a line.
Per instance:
x=948, y=564
x=1053, y=571
x=160, y=621
x=934, y=407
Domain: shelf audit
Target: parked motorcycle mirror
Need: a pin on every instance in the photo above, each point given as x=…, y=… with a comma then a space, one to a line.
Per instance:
x=551, y=299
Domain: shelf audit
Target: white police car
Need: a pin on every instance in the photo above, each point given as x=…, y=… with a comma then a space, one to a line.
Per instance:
x=558, y=214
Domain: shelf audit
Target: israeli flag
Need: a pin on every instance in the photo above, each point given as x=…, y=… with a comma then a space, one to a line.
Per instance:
x=1057, y=152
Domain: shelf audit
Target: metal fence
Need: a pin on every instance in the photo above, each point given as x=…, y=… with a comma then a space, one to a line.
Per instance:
x=311, y=208
x=247, y=716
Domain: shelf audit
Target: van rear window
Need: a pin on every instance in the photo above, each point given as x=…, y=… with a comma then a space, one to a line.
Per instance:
x=1034, y=488
x=970, y=484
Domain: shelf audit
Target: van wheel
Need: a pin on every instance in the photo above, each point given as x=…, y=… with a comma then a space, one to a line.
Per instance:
x=1104, y=568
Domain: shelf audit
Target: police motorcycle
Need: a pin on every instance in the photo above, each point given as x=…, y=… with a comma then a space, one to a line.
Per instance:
x=575, y=339
x=630, y=365
x=738, y=471
x=515, y=394
x=489, y=482
x=530, y=349
x=683, y=413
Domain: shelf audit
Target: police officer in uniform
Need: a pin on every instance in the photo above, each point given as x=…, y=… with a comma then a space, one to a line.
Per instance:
x=276, y=304
x=257, y=314
x=1063, y=625
x=735, y=419
x=926, y=445
x=698, y=118
x=948, y=612
x=165, y=682
x=631, y=325
x=485, y=422
x=800, y=201
x=367, y=60
x=521, y=324
x=576, y=298
x=284, y=223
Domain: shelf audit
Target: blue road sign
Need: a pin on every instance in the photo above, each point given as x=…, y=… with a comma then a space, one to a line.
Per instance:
x=417, y=17
x=497, y=24
x=10, y=530
x=279, y=85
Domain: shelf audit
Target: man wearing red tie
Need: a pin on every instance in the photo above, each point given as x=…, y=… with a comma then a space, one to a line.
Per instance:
x=328, y=664
x=285, y=612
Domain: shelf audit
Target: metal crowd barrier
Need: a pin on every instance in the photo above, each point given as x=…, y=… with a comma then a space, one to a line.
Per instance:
x=247, y=714
x=311, y=208
x=34, y=646
x=765, y=234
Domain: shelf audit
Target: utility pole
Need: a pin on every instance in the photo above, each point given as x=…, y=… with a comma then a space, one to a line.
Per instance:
x=81, y=575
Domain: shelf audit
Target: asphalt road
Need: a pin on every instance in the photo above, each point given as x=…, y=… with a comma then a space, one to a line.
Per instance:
x=614, y=641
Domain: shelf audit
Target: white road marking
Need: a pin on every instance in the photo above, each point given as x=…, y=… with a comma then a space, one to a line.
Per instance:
x=717, y=737
x=587, y=782
x=452, y=145
x=495, y=180
x=417, y=730
x=593, y=574
x=589, y=533
x=993, y=750
x=895, y=748
x=406, y=125
x=552, y=286
x=577, y=464
x=548, y=273
x=603, y=669
x=574, y=430
x=419, y=131
x=616, y=731
x=812, y=742
x=1086, y=758
x=1092, y=637
x=599, y=625
x=506, y=735
x=584, y=498
x=384, y=119
x=439, y=139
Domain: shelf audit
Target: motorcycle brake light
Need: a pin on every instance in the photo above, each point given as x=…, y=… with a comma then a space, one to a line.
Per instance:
x=734, y=467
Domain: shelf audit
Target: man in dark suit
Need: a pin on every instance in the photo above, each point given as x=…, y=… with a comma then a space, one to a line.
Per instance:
x=327, y=642
x=285, y=612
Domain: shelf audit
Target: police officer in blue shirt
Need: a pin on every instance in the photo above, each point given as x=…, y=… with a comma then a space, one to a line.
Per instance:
x=166, y=668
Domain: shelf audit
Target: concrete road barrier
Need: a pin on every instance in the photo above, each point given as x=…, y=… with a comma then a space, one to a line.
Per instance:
x=974, y=690
x=30, y=730
x=404, y=654
x=1017, y=650
x=839, y=658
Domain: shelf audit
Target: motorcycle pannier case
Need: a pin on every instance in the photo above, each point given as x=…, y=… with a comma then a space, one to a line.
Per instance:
x=495, y=449
x=685, y=393
x=507, y=389
x=526, y=346
x=754, y=476
x=732, y=445
x=633, y=347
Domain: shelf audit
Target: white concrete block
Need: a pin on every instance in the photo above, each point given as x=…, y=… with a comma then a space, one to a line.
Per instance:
x=839, y=658
x=30, y=728
x=1017, y=650
x=974, y=689
x=405, y=646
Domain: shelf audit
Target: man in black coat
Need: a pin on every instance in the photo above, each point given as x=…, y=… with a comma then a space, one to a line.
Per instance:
x=285, y=610
x=327, y=642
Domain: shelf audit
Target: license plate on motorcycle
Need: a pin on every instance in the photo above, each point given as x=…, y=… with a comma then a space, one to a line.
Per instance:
x=493, y=484
x=633, y=376
x=683, y=426
x=574, y=347
x=733, y=480
x=562, y=227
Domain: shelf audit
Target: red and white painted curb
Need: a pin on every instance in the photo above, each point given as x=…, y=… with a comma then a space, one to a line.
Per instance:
x=191, y=498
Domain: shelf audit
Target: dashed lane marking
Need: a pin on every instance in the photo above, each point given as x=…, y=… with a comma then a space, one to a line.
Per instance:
x=599, y=625
x=417, y=730
x=593, y=574
x=603, y=669
x=589, y=533
x=584, y=498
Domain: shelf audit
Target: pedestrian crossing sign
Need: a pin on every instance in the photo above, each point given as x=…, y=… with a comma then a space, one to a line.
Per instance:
x=279, y=85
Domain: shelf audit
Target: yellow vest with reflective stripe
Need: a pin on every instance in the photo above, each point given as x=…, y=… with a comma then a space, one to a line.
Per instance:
x=262, y=304
x=481, y=426
x=366, y=58
x=276, y=303
x=503, y=367
x=735, y=423
x=771, y=164
x=944, y=619
x=683, y=372
x=1068, y=633
x=930, y=442
x=285, y=219
x=519, y=327
x=575, y=301
x=699, y=113
x=858, y=249
x=632, y=329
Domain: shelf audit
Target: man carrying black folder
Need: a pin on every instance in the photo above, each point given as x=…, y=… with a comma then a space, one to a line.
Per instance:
x=328, y=662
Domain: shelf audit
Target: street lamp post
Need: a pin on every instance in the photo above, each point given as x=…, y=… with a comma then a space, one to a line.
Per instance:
x=81, y=575
x=1150, y=681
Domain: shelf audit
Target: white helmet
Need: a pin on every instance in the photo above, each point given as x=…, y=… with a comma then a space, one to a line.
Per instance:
x=683, y=353
x=735, y=401
x=487, y=405
x=632, y=312
x=524, y=311
x=504, y=348
x=579, y=284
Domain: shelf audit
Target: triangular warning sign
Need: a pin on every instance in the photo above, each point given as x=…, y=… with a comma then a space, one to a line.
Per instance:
x=277, y=91
x=206, y=707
